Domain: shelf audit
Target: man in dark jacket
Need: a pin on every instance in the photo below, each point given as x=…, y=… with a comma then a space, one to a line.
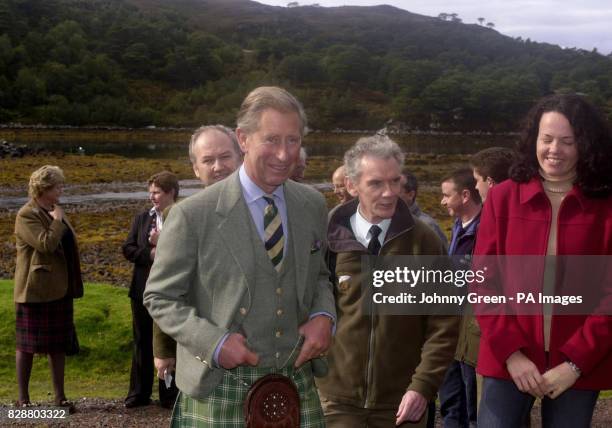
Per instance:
x=458, y=392
x=382, y=369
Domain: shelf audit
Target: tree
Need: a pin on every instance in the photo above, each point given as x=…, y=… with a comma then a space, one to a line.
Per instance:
x=490, y=25
x=443, y=16
x=481, y=20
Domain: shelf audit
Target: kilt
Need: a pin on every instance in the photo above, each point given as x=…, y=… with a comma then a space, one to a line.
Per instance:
x=223, y=408
x=44, y=328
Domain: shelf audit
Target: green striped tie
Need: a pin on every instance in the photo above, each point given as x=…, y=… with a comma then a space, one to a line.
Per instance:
x=273, y=233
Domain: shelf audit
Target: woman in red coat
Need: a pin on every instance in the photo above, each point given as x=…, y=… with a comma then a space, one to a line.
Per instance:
x=557, y=202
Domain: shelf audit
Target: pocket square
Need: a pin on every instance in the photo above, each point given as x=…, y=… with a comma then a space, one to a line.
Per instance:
x=316, y=246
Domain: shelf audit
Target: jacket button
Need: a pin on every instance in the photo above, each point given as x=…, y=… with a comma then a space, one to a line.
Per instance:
x=279, y=290
x=243, y=311
x=279, y=312
x=278, y=334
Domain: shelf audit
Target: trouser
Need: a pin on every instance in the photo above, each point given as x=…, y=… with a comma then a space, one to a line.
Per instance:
x=141, y=373
x=458, y=396
x=504, y=406
x=340, y=415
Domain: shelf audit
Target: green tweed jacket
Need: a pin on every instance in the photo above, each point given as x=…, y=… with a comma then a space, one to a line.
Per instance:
x=203, y=271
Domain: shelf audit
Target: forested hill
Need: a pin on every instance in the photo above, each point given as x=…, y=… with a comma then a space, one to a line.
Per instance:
x=188, y=62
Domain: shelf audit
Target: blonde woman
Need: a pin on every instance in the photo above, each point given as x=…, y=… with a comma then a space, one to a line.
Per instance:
x=47, y=279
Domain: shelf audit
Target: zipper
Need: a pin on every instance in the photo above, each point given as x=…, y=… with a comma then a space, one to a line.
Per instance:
x=370, y=364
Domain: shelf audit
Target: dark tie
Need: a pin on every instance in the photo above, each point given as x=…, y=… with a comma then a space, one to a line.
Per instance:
x=273, y=233
x=374, y=245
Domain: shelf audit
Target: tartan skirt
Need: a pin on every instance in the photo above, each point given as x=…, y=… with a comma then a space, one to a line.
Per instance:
x=44, y=328
x=223, y=408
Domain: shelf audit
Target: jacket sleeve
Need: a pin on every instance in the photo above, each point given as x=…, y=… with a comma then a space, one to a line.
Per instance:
x=323, y=300
x=592, y=342
x=29, y=227
x=137, y=254
x=441, y=333
x=169, y=287
x=163, y=345
x=502, y=332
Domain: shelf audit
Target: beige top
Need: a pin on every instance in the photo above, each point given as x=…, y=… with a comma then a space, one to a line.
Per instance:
x=555, y=189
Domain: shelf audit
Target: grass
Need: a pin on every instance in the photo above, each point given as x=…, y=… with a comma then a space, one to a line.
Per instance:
x=103, y=320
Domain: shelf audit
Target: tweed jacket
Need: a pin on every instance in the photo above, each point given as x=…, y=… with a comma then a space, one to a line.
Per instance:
x=41, y=271
x=200, y=285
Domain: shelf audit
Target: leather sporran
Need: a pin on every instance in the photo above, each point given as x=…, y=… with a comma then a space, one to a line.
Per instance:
x=272, y=402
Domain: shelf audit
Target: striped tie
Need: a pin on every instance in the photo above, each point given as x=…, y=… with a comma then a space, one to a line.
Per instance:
x=273, y=233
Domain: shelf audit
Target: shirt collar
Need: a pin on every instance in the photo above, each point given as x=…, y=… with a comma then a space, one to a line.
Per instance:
x=252, y=192
x=153, y=211
x=363, y=227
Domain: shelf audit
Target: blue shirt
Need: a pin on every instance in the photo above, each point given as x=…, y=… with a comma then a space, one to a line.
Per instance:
x=253, y=196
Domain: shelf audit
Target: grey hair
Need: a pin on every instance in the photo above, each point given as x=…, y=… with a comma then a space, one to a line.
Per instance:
x=220, y=128
x=45, y=178
x=266, y=97
x=379, y=146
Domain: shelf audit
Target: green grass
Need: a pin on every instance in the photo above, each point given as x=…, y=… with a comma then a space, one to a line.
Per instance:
x=104, y=325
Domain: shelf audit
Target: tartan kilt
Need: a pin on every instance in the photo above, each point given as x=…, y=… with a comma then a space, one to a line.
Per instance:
x=223, y=408
x=44, y=328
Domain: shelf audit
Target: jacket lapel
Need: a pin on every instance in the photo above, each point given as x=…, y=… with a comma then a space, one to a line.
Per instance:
x=299, y=236
x=234, y=226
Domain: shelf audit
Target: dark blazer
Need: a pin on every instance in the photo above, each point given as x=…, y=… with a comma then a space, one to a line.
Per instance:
x=137, y=249
x=41, y=270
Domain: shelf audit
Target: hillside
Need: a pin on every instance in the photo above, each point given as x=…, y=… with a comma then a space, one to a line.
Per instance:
x=187, y=62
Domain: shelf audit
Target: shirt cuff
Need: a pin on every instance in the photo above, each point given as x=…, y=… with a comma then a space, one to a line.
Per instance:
x=218, y=350
x=326, y=314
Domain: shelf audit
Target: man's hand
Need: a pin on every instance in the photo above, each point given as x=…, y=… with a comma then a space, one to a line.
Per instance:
x=560, y=379
x=235, y=352
x=526, y=375
x=411, y=408
x=152, y=253
x=317, y=334
x=164, y=364
x=57, y=213
x=154, y=237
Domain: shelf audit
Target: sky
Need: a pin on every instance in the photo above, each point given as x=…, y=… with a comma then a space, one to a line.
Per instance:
x=584, y=24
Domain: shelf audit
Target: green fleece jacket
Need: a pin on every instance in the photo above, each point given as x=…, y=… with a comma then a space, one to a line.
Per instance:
x=375, y=359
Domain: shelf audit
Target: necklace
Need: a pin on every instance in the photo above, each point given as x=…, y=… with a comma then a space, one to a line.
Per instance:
x=553, y=189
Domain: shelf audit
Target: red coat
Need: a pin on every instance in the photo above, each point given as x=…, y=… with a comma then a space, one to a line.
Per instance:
x=516, y=220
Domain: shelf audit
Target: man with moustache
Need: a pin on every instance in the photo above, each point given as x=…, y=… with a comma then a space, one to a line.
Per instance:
x=215, y=154
x=383, y=369
x=240, y=281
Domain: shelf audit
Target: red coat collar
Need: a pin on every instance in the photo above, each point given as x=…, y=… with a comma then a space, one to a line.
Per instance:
x=533, y=188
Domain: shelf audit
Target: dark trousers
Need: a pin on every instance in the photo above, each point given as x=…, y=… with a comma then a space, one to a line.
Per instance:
x=457, y=397
x=141, y=374
x=503, y=406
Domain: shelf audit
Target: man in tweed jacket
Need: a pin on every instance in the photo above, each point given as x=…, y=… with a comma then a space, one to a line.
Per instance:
x=235, y=311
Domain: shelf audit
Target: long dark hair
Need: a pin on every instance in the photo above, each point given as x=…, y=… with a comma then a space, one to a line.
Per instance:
x=593, y=139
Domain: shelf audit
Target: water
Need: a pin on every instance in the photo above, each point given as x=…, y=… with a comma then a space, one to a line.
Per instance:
x=187, y=188
x=317, y=144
